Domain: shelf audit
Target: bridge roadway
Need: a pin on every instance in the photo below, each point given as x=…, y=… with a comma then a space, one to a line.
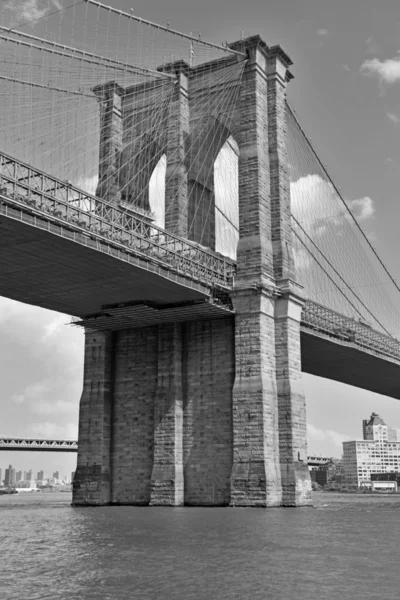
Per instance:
x=65, y=250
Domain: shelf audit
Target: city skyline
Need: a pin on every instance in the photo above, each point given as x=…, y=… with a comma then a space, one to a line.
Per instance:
x=23, y=474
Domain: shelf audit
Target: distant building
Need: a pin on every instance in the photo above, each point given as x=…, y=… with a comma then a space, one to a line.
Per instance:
x=376, y=454
x=19, y=476
x=319, y=475
x=40, y=476
x=9, y=478
x=326, y=473
x=56, y=475
x=28, y=476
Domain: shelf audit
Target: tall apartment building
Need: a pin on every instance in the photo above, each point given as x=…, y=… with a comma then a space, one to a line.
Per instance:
x=40, y=476
x=28, y=476
x=56, y=475
x=9, y=478
x=378, y=452
x=19, y=476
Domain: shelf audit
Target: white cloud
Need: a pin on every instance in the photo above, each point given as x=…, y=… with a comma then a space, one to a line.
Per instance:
x=32, y=393
x=302, y=258
x=49, y=397
x=325, y=440
x=52, y=406
x=88, y=184
x=314, y=201
x=41, y=364
x=387, y=71
x=362, y=208
x=55, y=326
x=322, y=31
x=312, y=198
x=393, y=117
x=48, y=429
x=371, y=46
x=25, y=11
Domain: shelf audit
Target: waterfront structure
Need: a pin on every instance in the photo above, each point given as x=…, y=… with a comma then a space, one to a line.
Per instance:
x=373, y=455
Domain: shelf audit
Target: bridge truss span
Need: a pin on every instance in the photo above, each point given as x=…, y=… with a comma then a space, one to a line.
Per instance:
x=38, y=445
x=27, y=189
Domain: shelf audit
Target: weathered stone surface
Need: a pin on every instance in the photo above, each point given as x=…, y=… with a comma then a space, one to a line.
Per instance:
x=167, y=487
x=93, y=473
x=135, y=384
x=210, y=412
x=207, y=420
x=255, y=479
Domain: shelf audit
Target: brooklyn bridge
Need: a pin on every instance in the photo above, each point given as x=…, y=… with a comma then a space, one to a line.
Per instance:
x=161, y=190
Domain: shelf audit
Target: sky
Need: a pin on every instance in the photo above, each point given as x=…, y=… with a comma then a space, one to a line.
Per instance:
x=346, y=92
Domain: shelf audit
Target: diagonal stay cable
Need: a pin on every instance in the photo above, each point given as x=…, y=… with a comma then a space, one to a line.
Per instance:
x=342, y=199
x=338, y=274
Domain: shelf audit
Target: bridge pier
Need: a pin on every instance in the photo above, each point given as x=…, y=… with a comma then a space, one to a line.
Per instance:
x=167, y=487
x=295, y=476
x=92, y=481
x=211, y=412
x=155, y=416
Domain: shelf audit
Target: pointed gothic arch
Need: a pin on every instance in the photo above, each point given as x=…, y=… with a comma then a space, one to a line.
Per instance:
x=203, y=146
x=226, y=192
x=157, y=191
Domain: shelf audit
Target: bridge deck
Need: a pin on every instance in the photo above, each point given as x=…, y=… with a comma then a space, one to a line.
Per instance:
x=64, y=270
x=96, y=254
x=65, y=250
x=342, y=361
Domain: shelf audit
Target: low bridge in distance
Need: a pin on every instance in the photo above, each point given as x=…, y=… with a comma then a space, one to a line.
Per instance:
x=42, y=445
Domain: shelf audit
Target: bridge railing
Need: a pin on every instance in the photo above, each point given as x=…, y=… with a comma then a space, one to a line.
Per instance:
x=44, y=195
x=322, y=319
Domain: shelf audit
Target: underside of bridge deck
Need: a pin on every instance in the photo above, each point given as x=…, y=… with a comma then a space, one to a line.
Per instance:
x=67, y=271
x=336, y=359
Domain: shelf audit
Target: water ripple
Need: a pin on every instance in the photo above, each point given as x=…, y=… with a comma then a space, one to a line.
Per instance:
x=50, y=550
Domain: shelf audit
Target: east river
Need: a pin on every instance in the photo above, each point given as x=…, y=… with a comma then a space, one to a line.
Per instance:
x=347, y=546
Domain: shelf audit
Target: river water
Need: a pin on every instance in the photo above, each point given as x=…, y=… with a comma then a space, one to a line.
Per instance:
x=347, y=546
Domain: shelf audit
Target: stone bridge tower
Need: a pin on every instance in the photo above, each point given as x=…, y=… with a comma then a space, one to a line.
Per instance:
x=203, y=412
